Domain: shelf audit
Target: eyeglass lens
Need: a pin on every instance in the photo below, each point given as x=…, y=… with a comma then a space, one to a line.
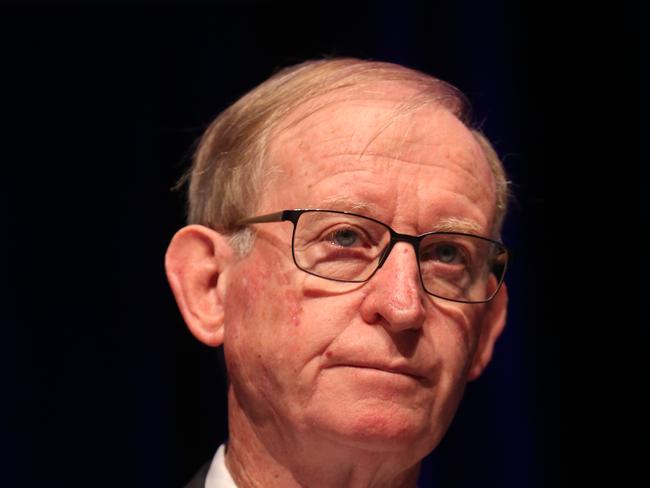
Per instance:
x=349, y=248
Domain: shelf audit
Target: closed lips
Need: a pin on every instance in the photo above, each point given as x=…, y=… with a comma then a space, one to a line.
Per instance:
x=395, y=369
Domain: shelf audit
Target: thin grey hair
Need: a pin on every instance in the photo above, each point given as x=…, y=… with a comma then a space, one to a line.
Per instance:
x=229, y=168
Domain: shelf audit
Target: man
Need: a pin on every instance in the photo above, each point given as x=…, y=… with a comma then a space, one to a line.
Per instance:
x=343, y=248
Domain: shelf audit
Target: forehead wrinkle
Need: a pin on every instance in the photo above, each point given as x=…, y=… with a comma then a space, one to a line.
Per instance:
x=330, y=174
x=396, y=159
x=456, y=154
x=346, y=203
x=402, y=141
x=406, y=143
x=458, y=194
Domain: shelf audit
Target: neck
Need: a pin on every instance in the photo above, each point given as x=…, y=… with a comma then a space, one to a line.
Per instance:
x=261, y=454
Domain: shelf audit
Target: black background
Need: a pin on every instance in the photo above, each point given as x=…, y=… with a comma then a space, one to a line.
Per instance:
x=101, y=105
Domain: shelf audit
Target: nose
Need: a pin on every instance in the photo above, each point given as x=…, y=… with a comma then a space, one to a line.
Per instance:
x=395, y=295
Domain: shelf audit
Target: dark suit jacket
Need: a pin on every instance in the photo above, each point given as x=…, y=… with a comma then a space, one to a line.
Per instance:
x=198, y=481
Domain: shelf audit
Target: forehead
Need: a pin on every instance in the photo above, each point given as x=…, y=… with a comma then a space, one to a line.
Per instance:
x=377, y=151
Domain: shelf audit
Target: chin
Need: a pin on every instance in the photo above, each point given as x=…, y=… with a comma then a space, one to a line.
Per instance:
x=379, y=427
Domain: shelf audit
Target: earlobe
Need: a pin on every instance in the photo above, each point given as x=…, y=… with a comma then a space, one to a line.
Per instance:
x=196, y=263
x=492, y=324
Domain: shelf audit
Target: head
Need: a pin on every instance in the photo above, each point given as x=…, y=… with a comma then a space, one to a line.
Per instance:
x=378, y=366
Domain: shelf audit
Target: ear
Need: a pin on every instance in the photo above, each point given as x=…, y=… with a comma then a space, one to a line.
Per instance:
x=492, y=322
x=196, y=261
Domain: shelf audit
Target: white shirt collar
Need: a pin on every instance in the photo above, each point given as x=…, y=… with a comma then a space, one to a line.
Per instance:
x=218, y=474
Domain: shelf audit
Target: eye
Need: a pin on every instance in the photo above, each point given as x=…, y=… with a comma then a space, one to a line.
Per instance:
x=343, y=237
x=446, y=253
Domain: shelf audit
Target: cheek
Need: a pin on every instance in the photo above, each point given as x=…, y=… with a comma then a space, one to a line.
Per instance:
x=453, y=338
x=262, y=317
x=259, y=296
x=459, y=329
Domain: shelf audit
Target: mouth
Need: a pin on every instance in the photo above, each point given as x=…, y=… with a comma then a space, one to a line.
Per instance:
x=392, y=369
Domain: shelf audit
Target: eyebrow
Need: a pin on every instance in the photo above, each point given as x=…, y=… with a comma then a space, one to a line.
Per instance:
x=446, y=224
x=457, y=224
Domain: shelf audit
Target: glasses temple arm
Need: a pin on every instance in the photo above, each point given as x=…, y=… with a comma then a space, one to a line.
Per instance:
x=260, y=219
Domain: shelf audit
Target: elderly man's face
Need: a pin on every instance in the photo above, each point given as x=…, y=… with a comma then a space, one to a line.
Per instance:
x=328, y=361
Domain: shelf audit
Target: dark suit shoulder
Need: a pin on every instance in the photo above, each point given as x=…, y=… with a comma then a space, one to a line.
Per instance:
x=198, y=480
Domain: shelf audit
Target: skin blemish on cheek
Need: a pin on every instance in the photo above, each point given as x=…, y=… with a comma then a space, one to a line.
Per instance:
x=328, y=354
x=293, y=307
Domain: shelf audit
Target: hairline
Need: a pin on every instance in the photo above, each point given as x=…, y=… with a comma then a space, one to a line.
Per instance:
x=241, y=162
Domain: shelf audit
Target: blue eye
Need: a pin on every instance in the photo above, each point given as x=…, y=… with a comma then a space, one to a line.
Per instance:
x=446, y=253
x=343, y=237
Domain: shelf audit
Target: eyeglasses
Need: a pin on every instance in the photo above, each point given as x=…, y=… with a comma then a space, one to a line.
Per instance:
x=346, y=247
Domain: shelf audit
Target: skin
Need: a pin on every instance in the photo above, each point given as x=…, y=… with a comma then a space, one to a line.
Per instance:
x=344, y=385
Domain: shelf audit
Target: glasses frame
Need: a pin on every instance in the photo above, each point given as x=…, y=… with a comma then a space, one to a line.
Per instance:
x=294, y=215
